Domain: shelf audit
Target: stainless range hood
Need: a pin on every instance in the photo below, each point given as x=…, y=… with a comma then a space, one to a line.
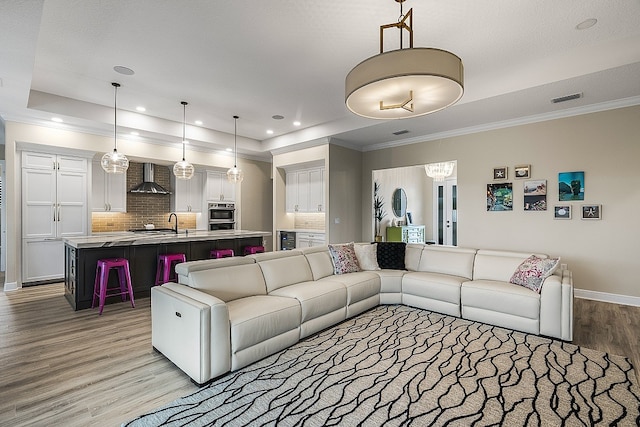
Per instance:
x=149, y=186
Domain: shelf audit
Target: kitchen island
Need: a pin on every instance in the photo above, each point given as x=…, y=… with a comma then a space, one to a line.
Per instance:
x=142, y=250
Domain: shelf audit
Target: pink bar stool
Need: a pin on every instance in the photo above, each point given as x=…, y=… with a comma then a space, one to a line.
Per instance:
x=100, y=286
x=221, y=253
x=166, y=265
x=248, y=250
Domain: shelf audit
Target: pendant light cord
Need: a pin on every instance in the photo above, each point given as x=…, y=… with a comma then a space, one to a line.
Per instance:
x=115, y=116
x=184, y=124
x=235, y=141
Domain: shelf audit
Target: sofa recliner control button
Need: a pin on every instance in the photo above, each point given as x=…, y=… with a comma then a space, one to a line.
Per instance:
x=178, y=314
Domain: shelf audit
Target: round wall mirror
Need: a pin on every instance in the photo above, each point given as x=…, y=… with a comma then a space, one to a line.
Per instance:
x=399, y=203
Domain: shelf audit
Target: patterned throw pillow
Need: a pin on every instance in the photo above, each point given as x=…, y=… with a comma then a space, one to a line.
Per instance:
x=532, y=272
x=367, y=256
x=391, y=255
x=344, y=258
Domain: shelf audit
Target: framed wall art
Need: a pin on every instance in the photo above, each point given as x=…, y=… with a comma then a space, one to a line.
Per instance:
x=522, y=171
x=562, y=212
x=500, y=172
x=591, y=211
x=500, y=197
x=570, y=186
x=535, y=195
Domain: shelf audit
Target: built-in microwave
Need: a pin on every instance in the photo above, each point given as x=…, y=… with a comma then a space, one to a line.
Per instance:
x=222, y=216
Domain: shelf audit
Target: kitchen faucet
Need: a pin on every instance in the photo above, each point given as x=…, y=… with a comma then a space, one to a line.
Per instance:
x=175, y=230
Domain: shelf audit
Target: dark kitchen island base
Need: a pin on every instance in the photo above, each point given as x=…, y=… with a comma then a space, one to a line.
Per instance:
x=80, y=264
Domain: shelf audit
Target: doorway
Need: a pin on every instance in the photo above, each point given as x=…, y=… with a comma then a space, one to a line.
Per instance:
x=445, y=212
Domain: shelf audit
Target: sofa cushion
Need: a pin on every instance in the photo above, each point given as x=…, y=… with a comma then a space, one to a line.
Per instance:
x=284, y=270
x=532, y=272
x=344, y=258
x=441, y=287
x=257, y=319
x=367, y=255
x=498, y=265
x=501, y=297
x=319, y=260
x=412, y=255
x=360, y=286
x=316, y=298
x=230, y=283
x=391, y=255
x=447, y=260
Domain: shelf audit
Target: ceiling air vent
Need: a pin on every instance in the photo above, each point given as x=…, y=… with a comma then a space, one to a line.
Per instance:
x=566, y=98
x=400, y=132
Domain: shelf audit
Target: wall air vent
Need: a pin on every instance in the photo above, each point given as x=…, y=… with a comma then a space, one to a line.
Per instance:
x=400, y=132
x=566, y=98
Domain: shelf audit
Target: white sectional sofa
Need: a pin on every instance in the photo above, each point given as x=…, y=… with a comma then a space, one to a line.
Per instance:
x=227, y=313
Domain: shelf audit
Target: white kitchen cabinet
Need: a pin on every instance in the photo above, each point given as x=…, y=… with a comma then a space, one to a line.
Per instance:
x=305, y=190
x=188, y=194
x=108, y=190
x=54, y=206
x=306, y=240
x=219, y=189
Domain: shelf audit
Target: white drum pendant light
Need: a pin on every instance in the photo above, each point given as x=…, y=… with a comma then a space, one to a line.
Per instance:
x=115, y=162
x=404, y=83
x=183, y=169
x=234, y=174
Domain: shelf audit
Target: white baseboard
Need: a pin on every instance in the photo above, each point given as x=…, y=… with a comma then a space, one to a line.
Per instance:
x=607, y=297
x=10, y=286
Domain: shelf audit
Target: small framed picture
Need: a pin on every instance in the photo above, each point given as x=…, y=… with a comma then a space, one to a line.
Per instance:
x=591, y=211
x=500, y=172
x=409, y=218
x=562, y=212
x=522, y=171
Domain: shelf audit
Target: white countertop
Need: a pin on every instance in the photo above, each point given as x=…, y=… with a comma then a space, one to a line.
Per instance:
x=302, y=230
x=128, y=238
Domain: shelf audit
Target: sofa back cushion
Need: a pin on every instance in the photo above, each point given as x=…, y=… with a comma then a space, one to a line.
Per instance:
x=412, y=255
x=230, y=283
x=319, y=261
x=185, y=269
x=283, y=268
x=448, y=260
x=498, y=265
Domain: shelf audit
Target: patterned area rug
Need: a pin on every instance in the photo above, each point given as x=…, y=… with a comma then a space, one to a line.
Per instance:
x=396, y=365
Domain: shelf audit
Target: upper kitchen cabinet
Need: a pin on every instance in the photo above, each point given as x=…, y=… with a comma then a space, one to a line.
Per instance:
x=305, y=190
x=54, y=206
x=188, y=194
x=108, y=190
x=219, y=189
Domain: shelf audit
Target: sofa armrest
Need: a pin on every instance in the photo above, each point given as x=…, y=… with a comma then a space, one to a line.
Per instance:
x=556, y=306
x=191, y=328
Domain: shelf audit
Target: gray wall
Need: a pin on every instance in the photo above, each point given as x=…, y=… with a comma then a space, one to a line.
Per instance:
x=345, y=193
x=602, y=254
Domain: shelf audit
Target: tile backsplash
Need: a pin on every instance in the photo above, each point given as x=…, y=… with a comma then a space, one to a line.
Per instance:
x=313, y=221
x=143, y=208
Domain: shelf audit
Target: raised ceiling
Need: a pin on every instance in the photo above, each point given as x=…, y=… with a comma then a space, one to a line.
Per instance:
x=258, y=59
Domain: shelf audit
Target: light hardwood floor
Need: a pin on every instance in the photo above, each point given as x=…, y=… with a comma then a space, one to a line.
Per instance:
x=60, y=367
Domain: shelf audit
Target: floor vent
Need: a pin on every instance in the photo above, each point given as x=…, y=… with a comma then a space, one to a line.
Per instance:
x=567, y=98
x=400, y=132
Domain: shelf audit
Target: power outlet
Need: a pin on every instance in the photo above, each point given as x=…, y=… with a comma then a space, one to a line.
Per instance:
x=336, y=220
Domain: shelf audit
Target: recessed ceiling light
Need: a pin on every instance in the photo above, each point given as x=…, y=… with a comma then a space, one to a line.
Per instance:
x=270, y=132
x=123, y=70
x=587, y=23
x=141, y=109
x=56, y=119
x=198, y=122
x=134, y=133
x=229, y=149
x=277, y=117
x=185, y=141
x=296, y=123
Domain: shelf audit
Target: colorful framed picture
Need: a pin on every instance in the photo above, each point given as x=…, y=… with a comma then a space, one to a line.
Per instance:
x=500, y=197
x=562, y=212
x=522, y=171
x=535, y=195
x=570, y=186
x=591, y=211
x=500, y=172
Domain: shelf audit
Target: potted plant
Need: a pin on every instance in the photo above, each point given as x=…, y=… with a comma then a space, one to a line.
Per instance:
x=378, y=210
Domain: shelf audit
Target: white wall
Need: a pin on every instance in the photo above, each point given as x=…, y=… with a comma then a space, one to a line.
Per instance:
x=602, y=254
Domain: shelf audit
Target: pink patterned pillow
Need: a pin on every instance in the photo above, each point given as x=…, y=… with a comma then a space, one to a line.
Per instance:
x=532, y=272
x=344, y=258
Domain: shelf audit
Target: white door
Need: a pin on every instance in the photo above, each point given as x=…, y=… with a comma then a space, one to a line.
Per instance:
x=71, y=216
x=445, y=212
x=39, y=206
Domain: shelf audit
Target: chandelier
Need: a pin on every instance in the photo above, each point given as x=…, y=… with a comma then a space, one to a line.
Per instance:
x=404, y=83
x=183, y=169
x=439, y=171
x=115, y=162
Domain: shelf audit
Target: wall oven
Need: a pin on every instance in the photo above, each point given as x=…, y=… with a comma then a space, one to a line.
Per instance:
x=222, y=216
